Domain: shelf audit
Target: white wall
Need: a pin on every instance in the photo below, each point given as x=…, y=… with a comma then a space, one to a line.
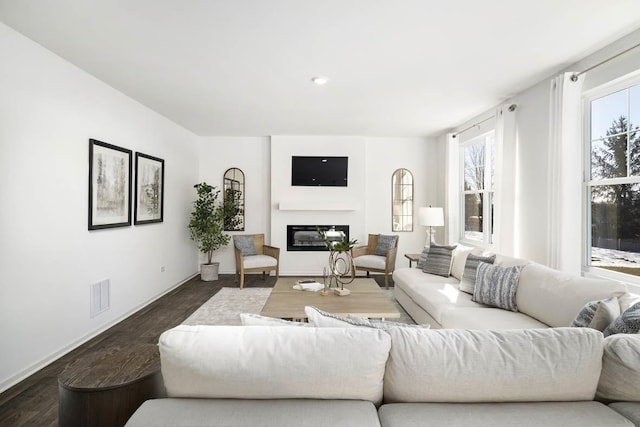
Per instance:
x=48, y=111
x=251, y=154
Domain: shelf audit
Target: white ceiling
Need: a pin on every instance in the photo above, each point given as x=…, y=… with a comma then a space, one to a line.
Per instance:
x=396, y=68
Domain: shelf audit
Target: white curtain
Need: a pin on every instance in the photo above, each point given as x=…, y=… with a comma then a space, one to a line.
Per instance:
x=564, y=237
x=452, y=184
x=505, y=181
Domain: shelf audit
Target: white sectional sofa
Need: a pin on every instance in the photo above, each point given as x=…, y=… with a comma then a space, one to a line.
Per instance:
x=545, y=297
x=262, y=376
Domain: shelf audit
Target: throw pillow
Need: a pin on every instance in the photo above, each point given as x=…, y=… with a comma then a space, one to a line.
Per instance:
x=438, y=260
x=245, y=244
x=422, y=258
x=385, y=243
x=251, y=319
x=324, y=319
x=496, y=286
x=468, y=282
x=627, y=323
x=598, y=314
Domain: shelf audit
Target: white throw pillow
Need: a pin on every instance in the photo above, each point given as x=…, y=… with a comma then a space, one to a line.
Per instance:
x=460, y=254
x=251, y=319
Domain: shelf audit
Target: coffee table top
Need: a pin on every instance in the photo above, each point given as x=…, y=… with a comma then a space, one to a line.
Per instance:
x=367, y=299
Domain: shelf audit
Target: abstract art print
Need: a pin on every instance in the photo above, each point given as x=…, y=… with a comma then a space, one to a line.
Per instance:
x=109, y=185
x=149, y=189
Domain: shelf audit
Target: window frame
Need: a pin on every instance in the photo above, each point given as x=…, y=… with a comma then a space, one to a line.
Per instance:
x=488, y=238
x=626, y=82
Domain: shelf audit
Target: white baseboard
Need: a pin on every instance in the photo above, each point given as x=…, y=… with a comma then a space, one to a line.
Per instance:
x=22, y=375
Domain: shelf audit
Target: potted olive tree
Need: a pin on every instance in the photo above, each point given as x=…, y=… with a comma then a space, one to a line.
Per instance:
x=206, y=227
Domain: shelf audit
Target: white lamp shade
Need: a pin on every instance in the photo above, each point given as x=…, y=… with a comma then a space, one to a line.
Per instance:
x=431, y=217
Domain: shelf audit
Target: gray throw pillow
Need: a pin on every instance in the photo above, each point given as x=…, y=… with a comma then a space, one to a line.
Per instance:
x=627, y=323
x=598, y=314
x=245, y=244
x=385, y=243
x=468, y=282
x=438, y=260
x=496, y=286
x=422, y=258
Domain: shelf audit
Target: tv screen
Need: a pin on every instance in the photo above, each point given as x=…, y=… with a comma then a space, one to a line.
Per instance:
x=319, y=171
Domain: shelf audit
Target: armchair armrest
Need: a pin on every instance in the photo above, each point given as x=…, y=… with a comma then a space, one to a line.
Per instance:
x=390, y=262
x=357, y=251
x=271, y=251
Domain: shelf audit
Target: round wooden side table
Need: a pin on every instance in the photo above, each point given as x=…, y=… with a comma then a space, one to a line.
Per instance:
x=106, y=387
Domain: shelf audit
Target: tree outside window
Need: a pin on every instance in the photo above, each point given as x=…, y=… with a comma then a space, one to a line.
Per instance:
x=477, y=191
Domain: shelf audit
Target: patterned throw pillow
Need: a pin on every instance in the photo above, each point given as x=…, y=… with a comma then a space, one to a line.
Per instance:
x=468, y=282
x=385, y=243
x=438, y=260
x=422, y=258
x=598, y=314
x=627, y=323
x=496, y=286
x=245, y=244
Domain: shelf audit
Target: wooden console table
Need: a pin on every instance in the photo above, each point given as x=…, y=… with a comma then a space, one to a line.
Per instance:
x=106, y=387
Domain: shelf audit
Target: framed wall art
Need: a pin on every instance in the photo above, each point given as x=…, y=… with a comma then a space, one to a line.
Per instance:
x=149, y=205
x=109, y=185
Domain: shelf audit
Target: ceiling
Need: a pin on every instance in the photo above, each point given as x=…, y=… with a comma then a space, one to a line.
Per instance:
x=396, y=67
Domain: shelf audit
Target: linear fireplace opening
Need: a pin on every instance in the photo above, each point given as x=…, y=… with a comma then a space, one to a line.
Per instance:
x=307, y=238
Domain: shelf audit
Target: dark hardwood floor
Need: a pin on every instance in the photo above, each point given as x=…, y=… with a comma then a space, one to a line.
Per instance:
x=34, y=401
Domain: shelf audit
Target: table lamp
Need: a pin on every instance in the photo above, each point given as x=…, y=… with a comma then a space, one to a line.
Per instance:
x=430, y=217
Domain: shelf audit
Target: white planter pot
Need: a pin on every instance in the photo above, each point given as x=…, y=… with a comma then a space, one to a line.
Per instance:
x=209, y=272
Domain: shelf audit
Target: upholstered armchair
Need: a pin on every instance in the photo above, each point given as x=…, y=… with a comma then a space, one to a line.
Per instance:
x=379, y=256
x=252, y=255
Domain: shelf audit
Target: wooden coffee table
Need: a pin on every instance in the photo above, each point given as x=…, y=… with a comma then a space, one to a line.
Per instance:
x=367, y=299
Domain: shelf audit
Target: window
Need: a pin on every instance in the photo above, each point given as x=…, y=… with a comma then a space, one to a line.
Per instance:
x=476, y=204
x=613, y=181
x=402, y=200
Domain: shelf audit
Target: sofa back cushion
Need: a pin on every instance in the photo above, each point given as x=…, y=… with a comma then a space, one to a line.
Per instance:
x=556, y=298
x=620, y=378
x=525, y=365
x=280, y=362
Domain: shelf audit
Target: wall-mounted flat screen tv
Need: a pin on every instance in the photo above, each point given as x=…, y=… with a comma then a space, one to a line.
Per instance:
x=319, y=171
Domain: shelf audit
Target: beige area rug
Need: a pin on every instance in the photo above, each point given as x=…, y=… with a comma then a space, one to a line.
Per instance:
x=224, y=308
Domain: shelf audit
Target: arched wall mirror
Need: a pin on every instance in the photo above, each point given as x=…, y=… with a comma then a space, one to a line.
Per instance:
x=233, y=196
x=402, y=200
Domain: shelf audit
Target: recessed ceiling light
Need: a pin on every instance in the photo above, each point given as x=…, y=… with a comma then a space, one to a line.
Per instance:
x=319, y=80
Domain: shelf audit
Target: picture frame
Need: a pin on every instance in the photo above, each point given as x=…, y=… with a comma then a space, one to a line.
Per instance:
x=109, y=185
x=149, y=193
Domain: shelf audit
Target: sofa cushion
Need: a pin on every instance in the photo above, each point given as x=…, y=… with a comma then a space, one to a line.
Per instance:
x=627, y=323
x=385, y=244
x=597, y=314
x=496, y=286
x=507, y=261
x=468, y=281
x=620, y=378
x=488, y=318
x=435, y=294
x=556, y=298
x=439, y=260
x=255, y=413
x=460, y=254
x=254, y=261
x=630, y=410
x=249, y=362
x=532, y=414
x=454, y=365
x=370, y=261
x=245, y=244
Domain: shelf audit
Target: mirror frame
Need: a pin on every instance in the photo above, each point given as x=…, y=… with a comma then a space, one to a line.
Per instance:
x=399, y=174
x=233, y=180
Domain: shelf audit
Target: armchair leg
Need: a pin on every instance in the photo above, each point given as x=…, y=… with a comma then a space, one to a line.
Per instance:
x=264, y=275
x=367, y=274
x=386, y=281
x=241, y=280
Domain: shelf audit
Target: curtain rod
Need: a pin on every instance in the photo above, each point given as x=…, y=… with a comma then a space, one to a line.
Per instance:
x=473, y=125
x=574, y=78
